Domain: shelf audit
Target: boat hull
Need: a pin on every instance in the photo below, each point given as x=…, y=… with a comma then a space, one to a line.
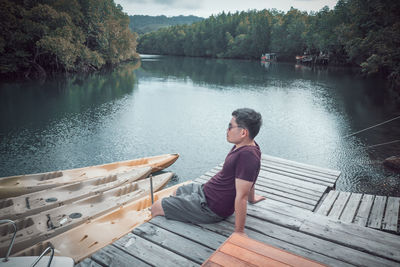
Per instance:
x=82, y=241
x=33, y=203
x=38, y=227
x=23, y=184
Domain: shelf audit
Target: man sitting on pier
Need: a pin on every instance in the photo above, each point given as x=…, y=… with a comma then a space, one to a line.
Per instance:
x=230, y=189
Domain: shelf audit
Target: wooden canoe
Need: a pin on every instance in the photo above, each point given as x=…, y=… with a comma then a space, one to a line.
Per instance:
x=33, y=203
x=27, y=261
x=38, y=227
x=82, y=241
x=12, y=186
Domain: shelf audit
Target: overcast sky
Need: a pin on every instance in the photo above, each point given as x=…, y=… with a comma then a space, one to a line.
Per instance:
x=206, y=8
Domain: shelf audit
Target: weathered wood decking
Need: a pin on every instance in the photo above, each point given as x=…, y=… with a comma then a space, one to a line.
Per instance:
x=240, y=250
x=289, y=182
x=285, y=220
x=378, y=212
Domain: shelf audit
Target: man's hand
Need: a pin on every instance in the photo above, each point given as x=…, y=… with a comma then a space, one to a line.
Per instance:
x=256, y=199
x=253, y=198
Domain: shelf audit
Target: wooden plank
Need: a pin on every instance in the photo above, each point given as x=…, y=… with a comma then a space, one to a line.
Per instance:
x=210, y=264
x=285, y=200
x=223, y=259
x=113, y=256
x=190, y=231
x=326, y=206
x=311, y=170
x=284, y=208
x=272, y=215
x=299, y=165
x=271, y=252
x=292, y=181
x=376, y=216
x=391, y=219
x=317, y=178
x=342, y=234
x=279, y=239
x=249, y=256
x=301, y=177
x=372, y=235
x=88, y=262
x=173, y=242
x=339, y=205
x=287, y=195
x=364, y=210
x=270, y=164
x=295, y=191
x=201, y=179
x=266, y=208
x=283, y=179
x=318, y=245
x=298, y=202
x=269, y=172
x=305, y=191
x=198, y=181
x=350, y=210
x=151, y=253
x=348, y=236
x=302, y=198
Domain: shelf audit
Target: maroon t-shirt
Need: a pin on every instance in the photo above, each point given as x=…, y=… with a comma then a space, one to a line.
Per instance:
x=220, y=191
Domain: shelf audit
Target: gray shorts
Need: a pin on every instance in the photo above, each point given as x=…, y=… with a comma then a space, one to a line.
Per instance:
x=189, y=205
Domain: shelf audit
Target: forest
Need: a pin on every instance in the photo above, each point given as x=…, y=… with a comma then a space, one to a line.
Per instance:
x=365, y=33
x=39, y=37
x=143, y=24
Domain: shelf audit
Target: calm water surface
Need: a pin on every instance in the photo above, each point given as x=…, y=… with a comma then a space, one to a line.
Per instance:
x=171, y=104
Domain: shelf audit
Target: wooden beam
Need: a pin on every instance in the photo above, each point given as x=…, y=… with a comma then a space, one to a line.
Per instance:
x=350, y=210
x=391, y=219
x=376, y=216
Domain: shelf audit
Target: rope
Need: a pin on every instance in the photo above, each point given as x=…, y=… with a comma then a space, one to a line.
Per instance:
x=382, y=144
x=363, y=130
x=377, y=145
x=379, y=124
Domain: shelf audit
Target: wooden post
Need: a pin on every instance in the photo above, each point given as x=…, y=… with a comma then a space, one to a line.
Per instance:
x=151, y=189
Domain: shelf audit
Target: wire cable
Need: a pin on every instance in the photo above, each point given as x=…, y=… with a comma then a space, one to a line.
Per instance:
x=371, y=127
x=382, y=144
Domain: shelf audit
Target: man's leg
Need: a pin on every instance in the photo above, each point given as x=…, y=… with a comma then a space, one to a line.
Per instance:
x=156, y=209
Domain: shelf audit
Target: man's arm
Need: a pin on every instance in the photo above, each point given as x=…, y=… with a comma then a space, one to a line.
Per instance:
x=242, y=193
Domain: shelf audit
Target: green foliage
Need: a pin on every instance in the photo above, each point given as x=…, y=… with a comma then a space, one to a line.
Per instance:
x=37, y=37
x=356, y=32
x=243, y=35
x=144, y=24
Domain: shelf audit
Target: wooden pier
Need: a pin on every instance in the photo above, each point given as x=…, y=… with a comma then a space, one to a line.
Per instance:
x=378, y=212
x=302, y=215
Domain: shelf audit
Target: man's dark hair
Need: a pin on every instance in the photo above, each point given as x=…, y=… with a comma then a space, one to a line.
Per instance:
x=249, y=119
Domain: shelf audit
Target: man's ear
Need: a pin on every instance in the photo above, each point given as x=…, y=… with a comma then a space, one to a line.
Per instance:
x=245, y=132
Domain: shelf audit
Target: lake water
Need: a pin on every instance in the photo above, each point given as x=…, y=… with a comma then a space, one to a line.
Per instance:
x=183, y=105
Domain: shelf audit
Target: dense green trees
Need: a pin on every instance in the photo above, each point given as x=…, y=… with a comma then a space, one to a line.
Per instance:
x=143, y=24
x=42, y=36
x=357, y=32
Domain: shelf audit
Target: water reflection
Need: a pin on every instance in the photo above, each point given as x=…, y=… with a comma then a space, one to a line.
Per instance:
x=54, y=124
x=28, y=103
x=178, y=104
x=307, y=112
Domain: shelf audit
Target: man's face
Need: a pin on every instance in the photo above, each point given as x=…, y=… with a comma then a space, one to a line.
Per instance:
x=234, y=133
